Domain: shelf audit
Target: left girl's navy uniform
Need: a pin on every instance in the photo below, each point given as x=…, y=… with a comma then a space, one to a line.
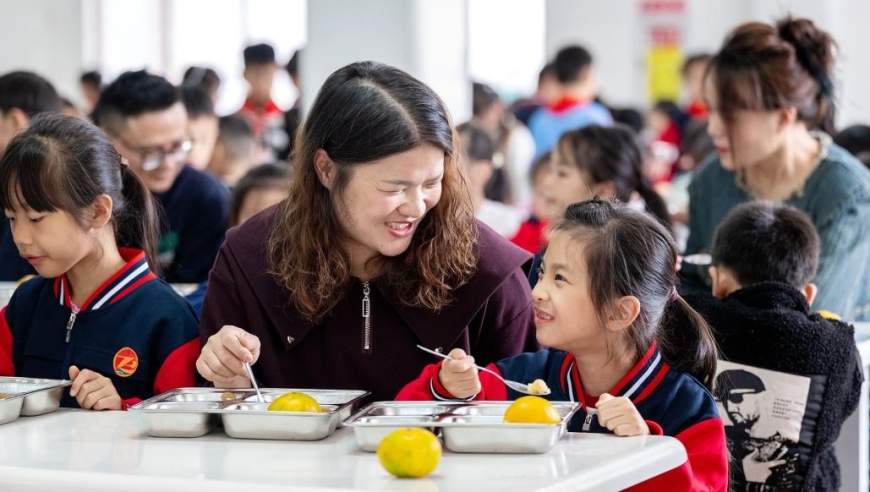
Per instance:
x=134, y=329
x=672, y=403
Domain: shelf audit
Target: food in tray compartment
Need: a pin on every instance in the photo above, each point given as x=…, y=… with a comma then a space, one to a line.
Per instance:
x=539, y=387
x=829, y=315
x=532, y=410
x=4, y=395
x=295, y=402
x=410, y=452
x=228, y=395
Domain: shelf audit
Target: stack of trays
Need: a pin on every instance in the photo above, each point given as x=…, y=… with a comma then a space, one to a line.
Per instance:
x=194, y=412
x=29, y=396
x=466, y=427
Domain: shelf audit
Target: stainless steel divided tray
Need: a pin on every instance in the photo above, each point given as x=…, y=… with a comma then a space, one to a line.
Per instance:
x=466, y=427
x=29, y=396
x=194, y=412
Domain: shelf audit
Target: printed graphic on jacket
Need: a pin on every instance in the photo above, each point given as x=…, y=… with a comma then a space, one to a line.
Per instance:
x=769, y=424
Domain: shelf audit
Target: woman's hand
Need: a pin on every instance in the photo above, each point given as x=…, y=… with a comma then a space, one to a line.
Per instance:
x=93, y=391
x=459, y=376
x=223, y=356
x=620, y=416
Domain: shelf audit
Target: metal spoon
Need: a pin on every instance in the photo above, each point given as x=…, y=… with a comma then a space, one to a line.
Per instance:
x=702, y=259
x=517, y=386
x=254, y=382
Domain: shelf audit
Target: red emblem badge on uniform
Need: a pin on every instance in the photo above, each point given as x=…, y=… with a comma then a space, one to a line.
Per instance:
x=126, y=362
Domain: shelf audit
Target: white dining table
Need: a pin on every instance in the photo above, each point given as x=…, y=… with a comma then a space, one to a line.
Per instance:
x=6, y=291
x=853, y=445
x=73, y=450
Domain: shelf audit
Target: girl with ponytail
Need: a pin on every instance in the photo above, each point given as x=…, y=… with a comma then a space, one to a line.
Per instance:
x=601, y=161
x=96, y=314
x=621, y=342
x=598, y=161
x=771, y=94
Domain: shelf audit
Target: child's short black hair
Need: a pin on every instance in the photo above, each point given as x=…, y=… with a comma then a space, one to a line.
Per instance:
x=196, y=102
x=133, y=94
x=236, y=135
x=482, y=98
x=856, y=139
x=478, y=145
x=763, y=241
x=269, y=175
x=548, y=70
x=292, y=66
x=629, y=117
x=696, y=142
x=570, y=62
x=259, y=54
x=28, y=92
x=92, y=78
x=203, y=77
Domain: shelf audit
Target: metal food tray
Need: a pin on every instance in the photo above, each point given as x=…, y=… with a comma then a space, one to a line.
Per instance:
x=29, y=396
x=194, y=412
x=465, y=427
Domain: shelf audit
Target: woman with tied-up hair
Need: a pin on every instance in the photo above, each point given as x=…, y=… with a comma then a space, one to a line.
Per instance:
x=770, y=91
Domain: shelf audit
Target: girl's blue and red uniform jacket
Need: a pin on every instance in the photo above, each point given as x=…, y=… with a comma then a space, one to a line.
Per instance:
x=672, y=403
x=134, y=329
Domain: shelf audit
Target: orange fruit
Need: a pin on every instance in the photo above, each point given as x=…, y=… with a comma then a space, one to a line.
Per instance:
x=409, y=452
x=532, y=410
x=294, y=402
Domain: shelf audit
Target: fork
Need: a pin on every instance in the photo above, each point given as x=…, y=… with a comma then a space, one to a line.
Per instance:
x=514, y=385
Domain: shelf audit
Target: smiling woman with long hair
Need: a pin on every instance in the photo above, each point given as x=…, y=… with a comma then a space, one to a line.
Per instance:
x=375, y=251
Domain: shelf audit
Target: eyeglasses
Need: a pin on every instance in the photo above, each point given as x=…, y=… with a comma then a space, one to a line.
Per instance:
x=151, y=159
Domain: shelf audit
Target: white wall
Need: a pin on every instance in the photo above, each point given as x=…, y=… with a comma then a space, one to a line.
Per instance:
x=44, y=36
x=440, y=55
x=708, y=21
x=506, y=44
x=422, y=37
x=381, y=37
x=608, y=29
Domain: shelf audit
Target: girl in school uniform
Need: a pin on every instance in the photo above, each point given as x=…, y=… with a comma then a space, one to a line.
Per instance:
x=606, y=306
x=598, y=161
x=96, y=314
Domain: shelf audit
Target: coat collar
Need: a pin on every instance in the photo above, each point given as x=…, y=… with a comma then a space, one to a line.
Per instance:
x=128, y=278
x=770, y=295
x=636, y=385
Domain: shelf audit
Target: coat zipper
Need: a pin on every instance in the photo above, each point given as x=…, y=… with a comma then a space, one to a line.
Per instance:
x=367, y=320
x=587, y=422
x=69, y=325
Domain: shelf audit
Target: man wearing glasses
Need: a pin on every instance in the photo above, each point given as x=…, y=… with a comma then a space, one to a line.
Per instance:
x=146, y=119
